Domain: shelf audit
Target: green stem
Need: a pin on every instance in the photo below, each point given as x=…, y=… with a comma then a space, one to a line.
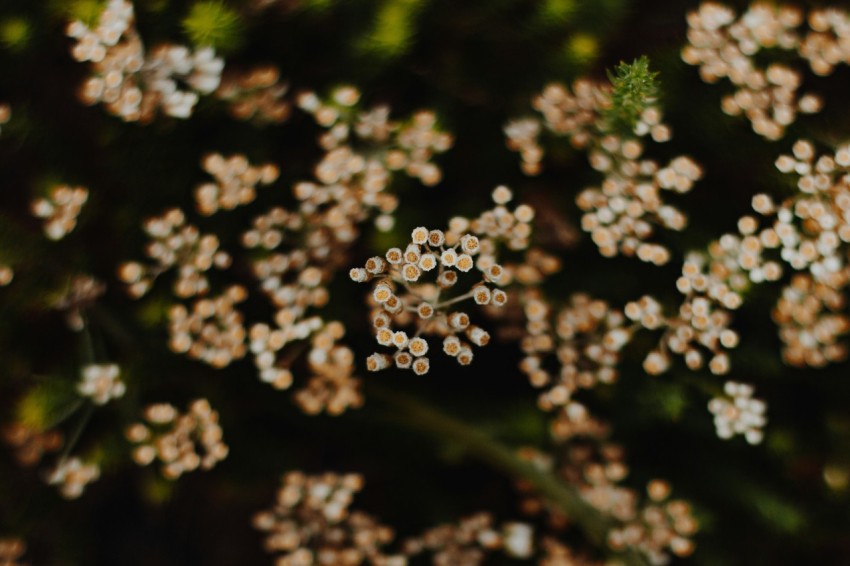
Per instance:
x=418, y=415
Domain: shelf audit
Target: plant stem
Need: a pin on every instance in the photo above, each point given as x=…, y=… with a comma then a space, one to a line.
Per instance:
x=416, y=414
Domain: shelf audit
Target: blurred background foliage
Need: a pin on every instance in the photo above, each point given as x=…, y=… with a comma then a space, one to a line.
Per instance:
x=476, y=64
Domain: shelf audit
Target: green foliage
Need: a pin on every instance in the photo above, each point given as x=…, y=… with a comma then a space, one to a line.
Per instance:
x=47, y=404
x=557, y=12
x=393, y=28
x=635, y=87
x=581, y=49
x=86, y=11
x=15, y=33
x=213, y=23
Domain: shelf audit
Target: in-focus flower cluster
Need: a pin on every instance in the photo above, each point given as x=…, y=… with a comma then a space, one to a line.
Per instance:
x=404, y=298
x=132, y=83
x=622, y=213
x=182, y=442
x=60, y=210
x=737, y=412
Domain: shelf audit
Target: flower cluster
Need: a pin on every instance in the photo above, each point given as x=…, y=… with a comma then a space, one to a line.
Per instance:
x=133, y=84
x=407, y=146
x=467, y=542
x=213, y=332
x=101, y=383
x=331, y=386
x=810, y=321
x=60, y=210
x=586, y=339
x=696, y=326
x=403, y=298
x=310, y=523
x=175, y=244
x=182, y=442
x=736, y=412
x=622, y=212
x=30, y=444
x=11, y=550
x=661, y=526
x=810, y=230
x=255, y=94
x=236, y=182
x=72, y=476
x=725, y=47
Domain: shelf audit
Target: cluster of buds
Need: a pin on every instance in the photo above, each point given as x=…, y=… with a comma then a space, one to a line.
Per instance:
x=736, y=412
x=236, y=182
x=101, y=383
x=500, y=223
x=311, y=523
x=699, y=325
x=811, y=230
x=724, y=46
x=255, y=94
x=331, y=386
x=30, y=444
x=402, y=298
x=587, y=338
x=72, y=476
x=182, y=442
x=825, y=45
x=407, y=146
x=622, y=213
x=213, y=332
x=660, y=527
x=11, y=551
x=571, y=112
x=134, y=84
x=175, y=244
x=810, y=321
x=60, y=210
x=467, y=542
